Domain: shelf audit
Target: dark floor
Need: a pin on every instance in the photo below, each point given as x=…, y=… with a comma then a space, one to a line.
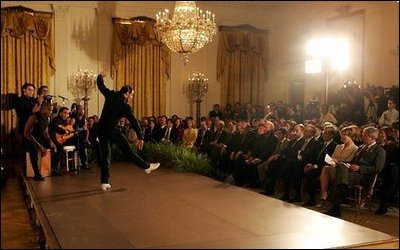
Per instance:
x=17, y=231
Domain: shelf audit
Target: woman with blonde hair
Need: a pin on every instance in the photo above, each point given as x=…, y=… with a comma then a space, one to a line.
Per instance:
x=189, y=134
x=343, y=153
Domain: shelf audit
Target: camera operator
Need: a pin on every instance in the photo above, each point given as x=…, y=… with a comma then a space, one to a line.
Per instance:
x=353, y=98
x=371, y=106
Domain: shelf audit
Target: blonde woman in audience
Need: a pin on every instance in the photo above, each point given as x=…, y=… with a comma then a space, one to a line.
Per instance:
x=189, y=134
x=343, y=153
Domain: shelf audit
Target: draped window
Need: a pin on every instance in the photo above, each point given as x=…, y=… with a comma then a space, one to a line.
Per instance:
x=140, y=60
x=26, y=56
x=241, y=64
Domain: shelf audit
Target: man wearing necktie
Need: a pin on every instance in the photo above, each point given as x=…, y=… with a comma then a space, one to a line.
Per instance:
x=369, y=160
x=293, y=169
x=312, y=170
x=167, y=135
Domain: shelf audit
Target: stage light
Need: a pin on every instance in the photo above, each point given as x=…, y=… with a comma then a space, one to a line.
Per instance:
x=313, y=66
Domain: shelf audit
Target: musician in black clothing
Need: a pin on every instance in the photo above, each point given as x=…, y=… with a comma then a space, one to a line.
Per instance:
x=116, y=106
x=25, y=107
x=36, y=133
x=82, y=136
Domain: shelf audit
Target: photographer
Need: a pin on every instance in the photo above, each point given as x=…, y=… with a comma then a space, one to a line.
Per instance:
x=353, y=98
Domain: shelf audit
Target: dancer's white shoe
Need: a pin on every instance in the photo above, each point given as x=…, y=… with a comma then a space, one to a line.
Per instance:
x=105, y=186
x=153, y=166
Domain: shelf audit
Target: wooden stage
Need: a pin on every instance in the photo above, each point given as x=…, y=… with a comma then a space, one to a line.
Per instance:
x=166, y=209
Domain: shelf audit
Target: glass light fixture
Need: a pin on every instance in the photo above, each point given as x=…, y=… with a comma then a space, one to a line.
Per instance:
x=85, y=80
x=188, y=30
x=197, y=87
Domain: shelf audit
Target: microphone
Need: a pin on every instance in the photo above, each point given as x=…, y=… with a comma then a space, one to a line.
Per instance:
x=62, y=97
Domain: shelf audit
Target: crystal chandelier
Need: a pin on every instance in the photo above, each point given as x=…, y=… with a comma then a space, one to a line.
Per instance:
x=189, y=29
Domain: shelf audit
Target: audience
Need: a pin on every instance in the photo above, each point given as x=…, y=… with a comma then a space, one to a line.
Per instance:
x=261, y=144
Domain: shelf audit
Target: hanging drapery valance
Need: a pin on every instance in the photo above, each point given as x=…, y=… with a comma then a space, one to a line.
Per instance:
x=140, y=31
x=16, y=21
x=141, y=60
x=242, y=64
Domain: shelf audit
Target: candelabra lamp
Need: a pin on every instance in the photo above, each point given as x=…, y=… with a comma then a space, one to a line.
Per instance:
x=197, y=88
x=85, y=81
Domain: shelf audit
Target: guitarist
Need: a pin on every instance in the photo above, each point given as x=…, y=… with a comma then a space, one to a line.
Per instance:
x=58, y=127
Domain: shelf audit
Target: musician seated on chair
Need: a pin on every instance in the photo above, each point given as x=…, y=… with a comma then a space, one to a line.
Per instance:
x=368, y=161
x=62, y=134
x=82, y=135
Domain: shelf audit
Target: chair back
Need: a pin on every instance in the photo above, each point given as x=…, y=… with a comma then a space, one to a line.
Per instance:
x=362, y=196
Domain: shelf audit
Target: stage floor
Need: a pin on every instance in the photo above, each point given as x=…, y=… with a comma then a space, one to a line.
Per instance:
x=167, y=209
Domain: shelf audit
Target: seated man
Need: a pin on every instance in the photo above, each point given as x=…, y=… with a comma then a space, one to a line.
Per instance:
x=262, y=148
x=369, y=160
x=62, y=135
x=82, y=137
x=313, y=169
x=218, y=143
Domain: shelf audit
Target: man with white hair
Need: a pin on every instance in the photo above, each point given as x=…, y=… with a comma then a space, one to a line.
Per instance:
x=369, y=160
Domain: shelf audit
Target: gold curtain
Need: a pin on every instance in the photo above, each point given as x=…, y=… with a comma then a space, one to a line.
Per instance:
x=140, y=60
x=242, y=64
x=26, y=56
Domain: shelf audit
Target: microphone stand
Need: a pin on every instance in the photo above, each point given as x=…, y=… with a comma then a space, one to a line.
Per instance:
x=63, y=100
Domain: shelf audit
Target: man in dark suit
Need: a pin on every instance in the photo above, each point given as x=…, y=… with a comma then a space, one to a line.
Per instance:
x=216, y=112
x=264, y=144
x=161, y=128
x=293, y=167
x=312, y=170
x=277, y=169
x=203, y=138
x=369, y=160
x=220, y=140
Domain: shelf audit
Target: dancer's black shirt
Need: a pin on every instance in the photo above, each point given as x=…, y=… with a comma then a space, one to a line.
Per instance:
x=113, y=110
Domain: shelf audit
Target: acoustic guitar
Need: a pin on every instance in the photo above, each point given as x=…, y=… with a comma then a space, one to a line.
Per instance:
x=70, y=133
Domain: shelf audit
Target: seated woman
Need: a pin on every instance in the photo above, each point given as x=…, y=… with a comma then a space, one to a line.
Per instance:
x=343, y=153
x=189, y=134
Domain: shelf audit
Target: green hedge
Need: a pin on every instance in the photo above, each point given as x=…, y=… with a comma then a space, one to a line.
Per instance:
x=176, y=157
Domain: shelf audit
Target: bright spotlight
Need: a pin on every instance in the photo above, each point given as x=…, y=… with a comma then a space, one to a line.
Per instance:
x=331, y=49
x=340, y=63
x=313, y=66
